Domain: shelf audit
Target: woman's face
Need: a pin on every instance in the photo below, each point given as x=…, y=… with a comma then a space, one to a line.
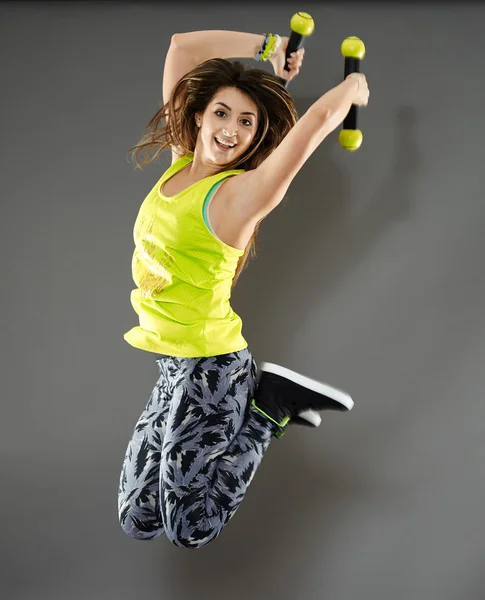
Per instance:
x=227, y=126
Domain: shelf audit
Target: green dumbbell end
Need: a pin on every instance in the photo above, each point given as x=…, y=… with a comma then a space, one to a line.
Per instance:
x=353, y=47
x=350, y=139
x=302, y=23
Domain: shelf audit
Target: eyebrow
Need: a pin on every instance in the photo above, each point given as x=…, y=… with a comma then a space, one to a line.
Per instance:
x=229, y=108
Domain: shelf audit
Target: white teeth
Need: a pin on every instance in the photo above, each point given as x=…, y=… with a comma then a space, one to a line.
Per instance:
x=224, y=144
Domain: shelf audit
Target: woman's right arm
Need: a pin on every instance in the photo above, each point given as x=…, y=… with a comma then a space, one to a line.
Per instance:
x=188, y=50
x=263, y=188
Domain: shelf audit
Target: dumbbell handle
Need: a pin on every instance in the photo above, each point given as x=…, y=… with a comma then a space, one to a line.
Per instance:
x=352, y=65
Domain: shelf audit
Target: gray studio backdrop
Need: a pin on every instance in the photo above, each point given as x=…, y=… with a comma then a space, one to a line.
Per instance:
x=368, y=276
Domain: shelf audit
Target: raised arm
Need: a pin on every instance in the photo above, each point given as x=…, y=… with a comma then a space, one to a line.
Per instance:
x=187, y=50
x=263, y=188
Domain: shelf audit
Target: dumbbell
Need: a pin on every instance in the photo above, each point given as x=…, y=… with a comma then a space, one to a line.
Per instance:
x=350, y=136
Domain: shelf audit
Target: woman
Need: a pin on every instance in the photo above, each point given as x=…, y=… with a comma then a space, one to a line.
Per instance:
x=236, y=146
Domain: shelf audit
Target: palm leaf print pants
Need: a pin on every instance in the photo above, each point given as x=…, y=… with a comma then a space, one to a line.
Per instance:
x=194, y=450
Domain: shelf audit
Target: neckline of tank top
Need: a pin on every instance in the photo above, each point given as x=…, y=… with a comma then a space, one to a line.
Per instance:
x=185, y=190
x=171, y=172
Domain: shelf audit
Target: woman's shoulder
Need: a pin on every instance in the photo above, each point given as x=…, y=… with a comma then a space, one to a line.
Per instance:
x=181, y=159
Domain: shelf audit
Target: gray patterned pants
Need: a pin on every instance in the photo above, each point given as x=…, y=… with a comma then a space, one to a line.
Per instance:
x=194, y=450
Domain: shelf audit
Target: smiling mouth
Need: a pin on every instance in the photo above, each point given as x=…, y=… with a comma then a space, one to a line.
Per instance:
x=224, y=145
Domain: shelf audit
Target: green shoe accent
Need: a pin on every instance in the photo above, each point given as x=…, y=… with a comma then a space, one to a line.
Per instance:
x=280, y=433
x=282, y=425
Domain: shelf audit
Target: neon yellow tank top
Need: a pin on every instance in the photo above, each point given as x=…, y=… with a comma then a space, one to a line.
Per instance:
x=183, y=274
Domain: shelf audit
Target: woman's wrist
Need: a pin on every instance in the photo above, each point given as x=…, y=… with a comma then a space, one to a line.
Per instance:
x=269, y=47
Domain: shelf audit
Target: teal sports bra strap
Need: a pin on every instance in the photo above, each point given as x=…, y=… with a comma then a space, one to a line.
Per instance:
x=207, y=199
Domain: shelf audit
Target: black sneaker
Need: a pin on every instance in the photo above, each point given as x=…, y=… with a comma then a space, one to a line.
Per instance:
x=288, y=397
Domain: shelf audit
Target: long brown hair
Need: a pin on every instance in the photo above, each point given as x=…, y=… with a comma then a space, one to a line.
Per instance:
x=174, y=126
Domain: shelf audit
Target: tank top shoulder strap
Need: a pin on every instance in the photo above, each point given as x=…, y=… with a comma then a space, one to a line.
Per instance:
x=178, y=165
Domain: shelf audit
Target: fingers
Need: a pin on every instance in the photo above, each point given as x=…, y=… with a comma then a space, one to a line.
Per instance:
x=296, y=58
x=295, y=61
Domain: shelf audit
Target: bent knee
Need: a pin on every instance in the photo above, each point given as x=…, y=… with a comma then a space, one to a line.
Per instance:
x=191, y=540
x=138, y=529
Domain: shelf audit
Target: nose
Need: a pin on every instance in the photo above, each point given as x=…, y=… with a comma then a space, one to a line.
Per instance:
x=229, y=134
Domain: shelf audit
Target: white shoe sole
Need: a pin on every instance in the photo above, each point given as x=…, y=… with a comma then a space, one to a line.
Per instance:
x=311, y=416
x=316, y=386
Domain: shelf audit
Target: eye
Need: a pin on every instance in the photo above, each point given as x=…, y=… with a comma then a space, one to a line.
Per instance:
x=246, y=122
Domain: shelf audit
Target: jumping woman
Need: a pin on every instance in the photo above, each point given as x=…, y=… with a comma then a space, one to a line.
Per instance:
x=236, y=144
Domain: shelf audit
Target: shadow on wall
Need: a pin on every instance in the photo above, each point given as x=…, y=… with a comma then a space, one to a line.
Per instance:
x=295, y=505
